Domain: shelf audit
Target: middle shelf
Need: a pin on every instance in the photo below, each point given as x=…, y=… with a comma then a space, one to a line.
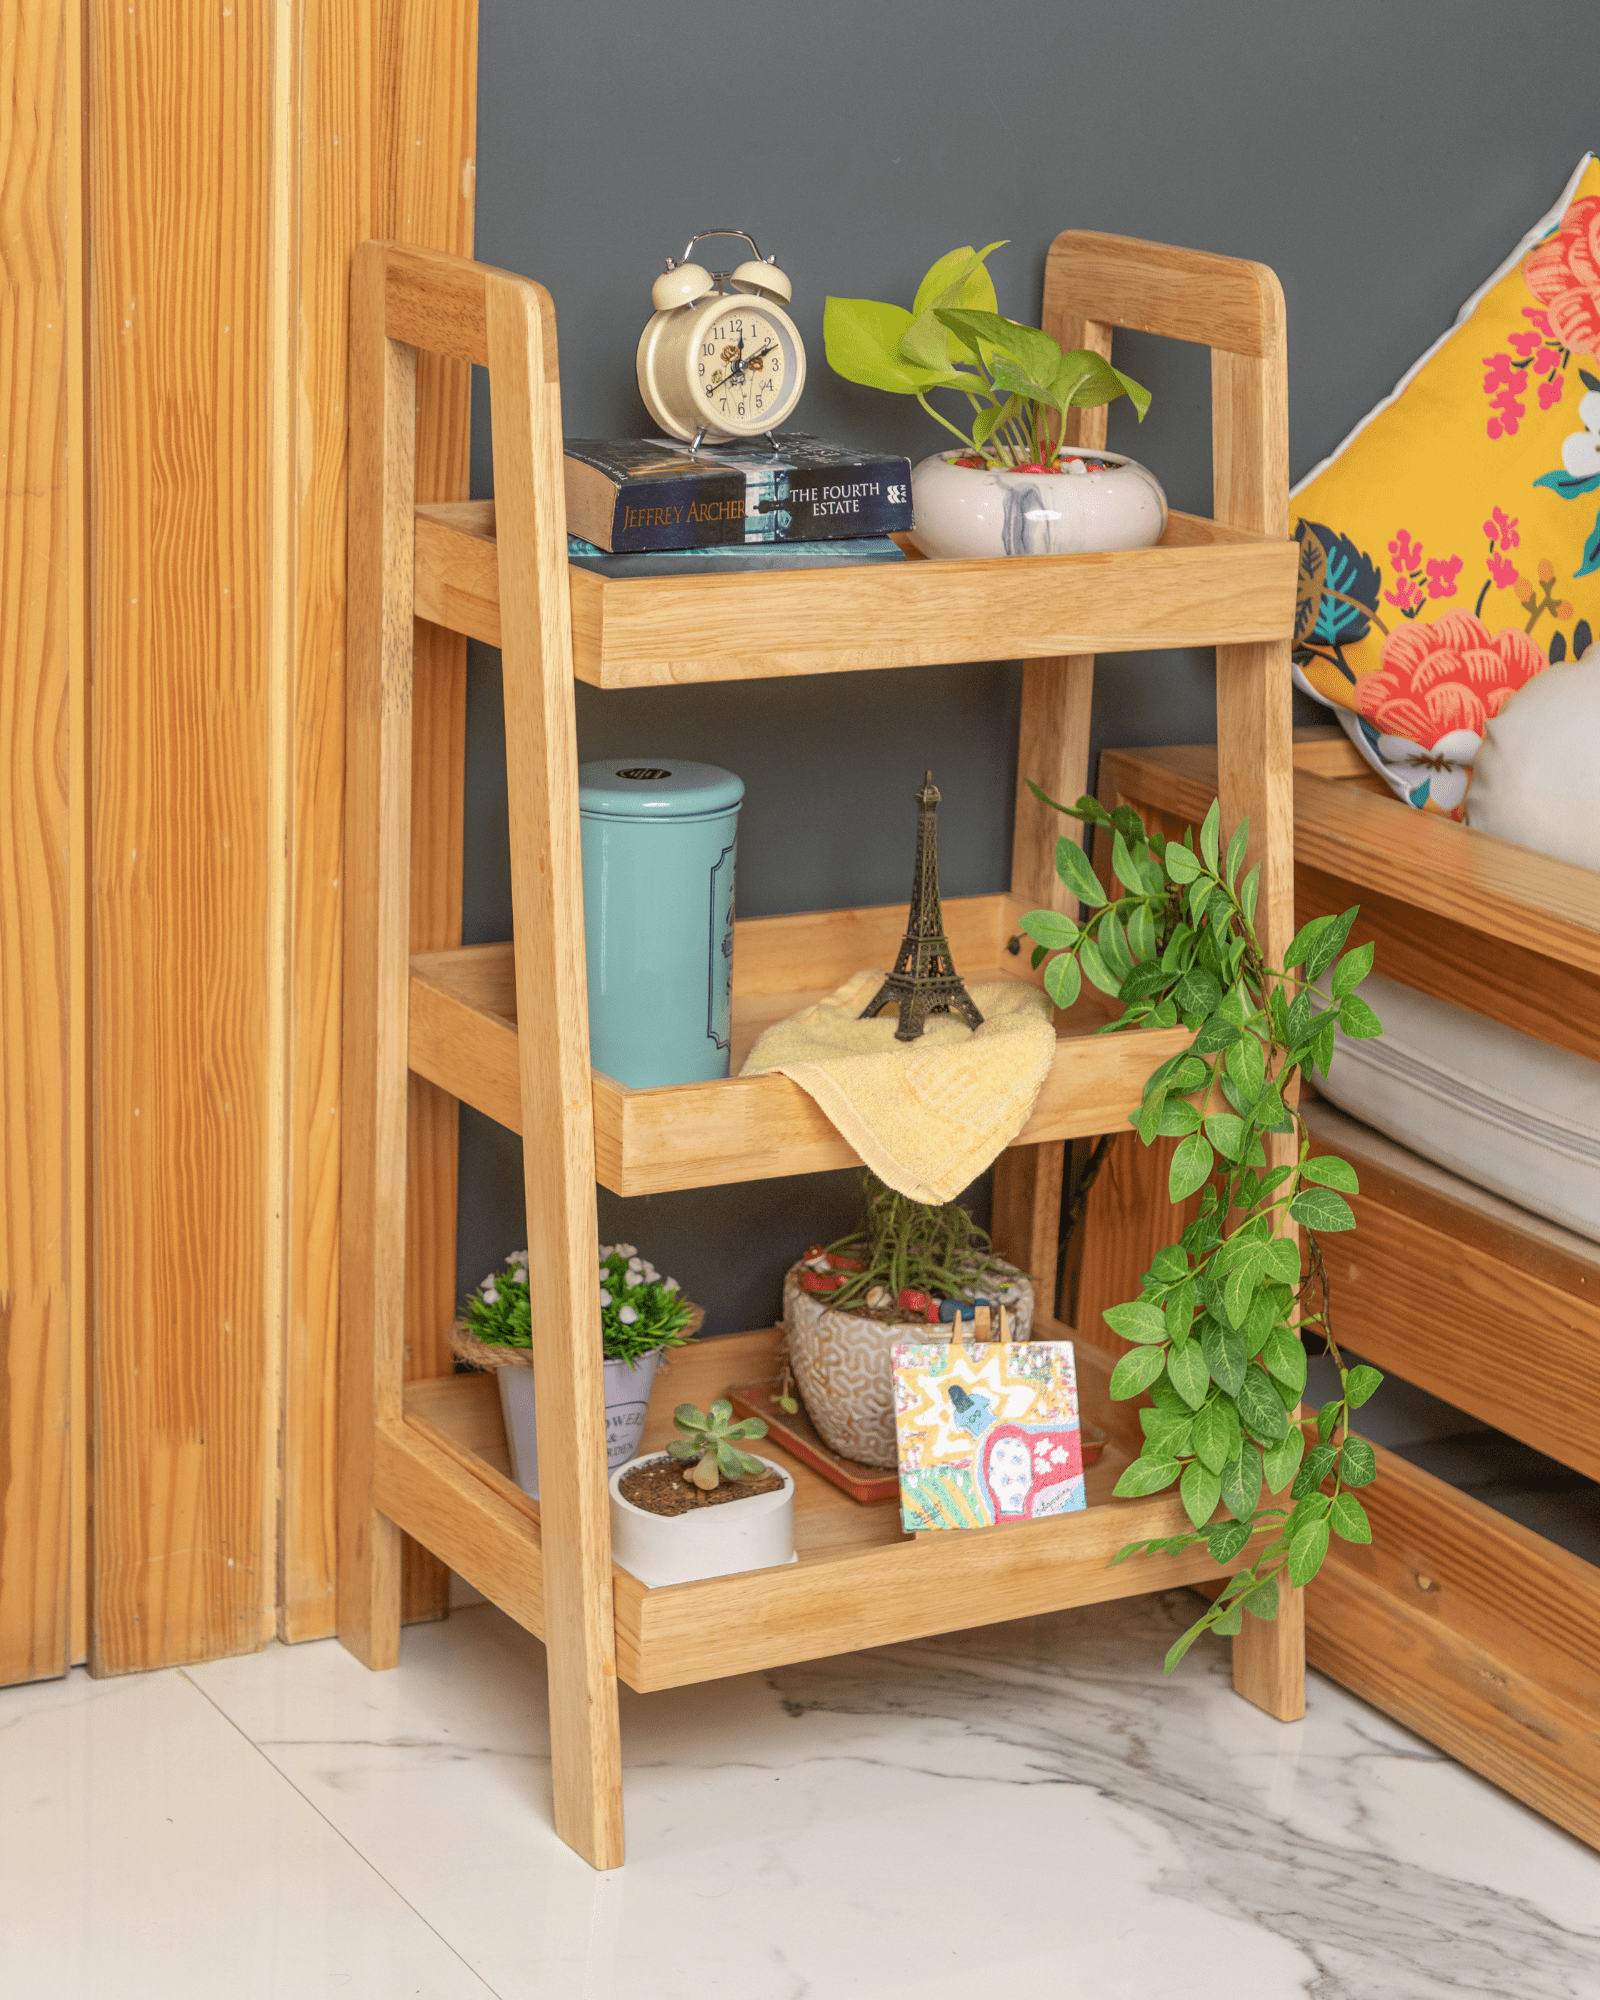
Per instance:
x=463, y=1037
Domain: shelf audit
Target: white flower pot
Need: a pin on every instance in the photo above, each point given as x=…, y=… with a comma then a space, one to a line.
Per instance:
x=627, y=1400
x=842, y=1363
x=754, y=1533
x=965, y=510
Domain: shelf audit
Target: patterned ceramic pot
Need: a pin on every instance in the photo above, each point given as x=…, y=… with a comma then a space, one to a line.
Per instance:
x=842, y=1364
x=968, y=510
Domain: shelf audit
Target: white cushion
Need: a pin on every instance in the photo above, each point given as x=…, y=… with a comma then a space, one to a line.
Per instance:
x=1503, y=1110
x=1537, y=778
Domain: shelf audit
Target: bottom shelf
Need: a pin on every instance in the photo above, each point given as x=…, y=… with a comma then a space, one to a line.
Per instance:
x=442, y=1475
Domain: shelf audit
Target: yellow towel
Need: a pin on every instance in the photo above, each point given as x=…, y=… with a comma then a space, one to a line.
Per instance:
x=927, y=1116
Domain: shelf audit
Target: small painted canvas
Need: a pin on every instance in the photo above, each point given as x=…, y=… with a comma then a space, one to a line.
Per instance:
x=987, y=1432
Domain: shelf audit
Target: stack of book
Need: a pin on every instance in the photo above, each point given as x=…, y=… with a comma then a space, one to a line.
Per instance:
x=651, y=506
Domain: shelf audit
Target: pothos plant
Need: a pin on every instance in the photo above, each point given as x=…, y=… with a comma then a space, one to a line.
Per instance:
x=1018, y=381
x=1219, y=1325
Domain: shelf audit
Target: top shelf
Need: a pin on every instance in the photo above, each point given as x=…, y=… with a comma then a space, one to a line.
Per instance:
x=1203, y=584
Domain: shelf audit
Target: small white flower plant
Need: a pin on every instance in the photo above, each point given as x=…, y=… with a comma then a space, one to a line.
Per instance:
x=639, y=1309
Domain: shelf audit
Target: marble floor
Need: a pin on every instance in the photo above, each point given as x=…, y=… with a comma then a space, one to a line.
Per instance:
x=1026, y=1809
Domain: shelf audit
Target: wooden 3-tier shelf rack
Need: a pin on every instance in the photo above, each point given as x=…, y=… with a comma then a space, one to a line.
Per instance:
x=427, y=1458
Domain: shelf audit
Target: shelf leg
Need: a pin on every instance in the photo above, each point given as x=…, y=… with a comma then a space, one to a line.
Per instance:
x=557, y=1097
x=377, y=968
x=1269, y=1661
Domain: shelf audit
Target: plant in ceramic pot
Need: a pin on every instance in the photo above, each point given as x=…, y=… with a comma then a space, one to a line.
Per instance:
x=1013, y=488
x=1219, y=1325
x=642, y=1314
x=845, y=1307
x=703, y=1507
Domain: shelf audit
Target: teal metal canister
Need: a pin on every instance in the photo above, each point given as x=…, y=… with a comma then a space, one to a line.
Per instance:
x=659, y=842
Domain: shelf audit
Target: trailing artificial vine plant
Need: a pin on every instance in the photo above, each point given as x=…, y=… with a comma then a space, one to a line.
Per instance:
x=1219, y=1324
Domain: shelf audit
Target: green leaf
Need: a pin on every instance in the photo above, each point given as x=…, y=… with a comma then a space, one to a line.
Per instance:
x=1073, y=866
x=1226, y=1539
x=1187, y=1373
x=1236, y=848
x=1360, y=1384
x=1352, y=969
x=1223, y=1349
x=1146, y=1475
x=1138, y=1320
x=1260, y=1405
x=1321, y=1208
x=1322, y=1049
x=1241, y=1481
x=1302, y=944
x=1169, y=1265
x=1093, y=964
x=1319, y=1462
x=1171, y=1429
x=684, y=1448
x=1136, y=1371
x=1190, y=1169
x=1327, y=1417
x=1179, y=1313
x=1179, y=1647
x=1331, y=942
x=1142, y=934
x=1247, y=1066
x=1113, y=944
x=1181, y=864
x=1178, y=1118
x=862, y=341
x=1214, y=1437
x=1244, y=1274
x=1249, y=890
x=1358, y=1020
x=1199, y=895
x=1262, y=1602
x=1358, y=1463
x=1225, y=1131
x=1285, y=1358
x=1063, y=979
x=1197, y=993
x=1198, y=1489
x=1123, y=865
x=959, y=279
x=1283, y=1260
x=1330, y=1171
x=1052, y=930
x=1306, y=1552
x=1348, y=1519
x=1210, y=829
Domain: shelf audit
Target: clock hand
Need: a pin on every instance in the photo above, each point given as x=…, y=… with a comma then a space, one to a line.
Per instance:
x=738, y=369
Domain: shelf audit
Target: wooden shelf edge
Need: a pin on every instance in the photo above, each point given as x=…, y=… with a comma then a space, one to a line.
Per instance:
x=1203, y=584
x=1421, y=859
x=463, y=1037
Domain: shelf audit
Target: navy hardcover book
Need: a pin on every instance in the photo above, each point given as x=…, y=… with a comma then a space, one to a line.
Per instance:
x=627, y=495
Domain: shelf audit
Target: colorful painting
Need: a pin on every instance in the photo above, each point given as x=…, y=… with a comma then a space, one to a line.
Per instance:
x=987, y=1432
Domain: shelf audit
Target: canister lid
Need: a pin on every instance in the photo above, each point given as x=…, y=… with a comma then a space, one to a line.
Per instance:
x=656, y=788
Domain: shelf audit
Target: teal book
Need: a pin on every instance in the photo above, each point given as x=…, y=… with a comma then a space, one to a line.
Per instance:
x=628, y=495
x=732, y=558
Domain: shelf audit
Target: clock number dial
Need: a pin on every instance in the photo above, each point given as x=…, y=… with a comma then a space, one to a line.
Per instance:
x=740, y=369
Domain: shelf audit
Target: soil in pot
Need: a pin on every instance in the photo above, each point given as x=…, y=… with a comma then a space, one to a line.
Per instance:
x=659, y=1487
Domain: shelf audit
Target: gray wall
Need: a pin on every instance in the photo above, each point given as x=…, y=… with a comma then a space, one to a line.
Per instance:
x=1380, y=157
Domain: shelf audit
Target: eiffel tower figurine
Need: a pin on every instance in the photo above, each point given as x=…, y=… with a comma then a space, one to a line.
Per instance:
x=924, y=980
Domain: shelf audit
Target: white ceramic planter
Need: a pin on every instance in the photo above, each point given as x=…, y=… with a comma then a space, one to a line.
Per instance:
x=754, y=1533
x=965, y=510
x=842, y=1363
x=627, y=1400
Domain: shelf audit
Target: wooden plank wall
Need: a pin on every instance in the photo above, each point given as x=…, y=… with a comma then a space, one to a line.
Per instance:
x=235, y=157
x=389, y=96
x=42, y=963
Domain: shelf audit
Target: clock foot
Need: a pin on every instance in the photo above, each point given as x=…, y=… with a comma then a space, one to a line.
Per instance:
x=699, y=437
x=776, y=447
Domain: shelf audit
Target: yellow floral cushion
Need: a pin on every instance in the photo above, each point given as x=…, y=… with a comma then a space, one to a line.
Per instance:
x=1450, y=548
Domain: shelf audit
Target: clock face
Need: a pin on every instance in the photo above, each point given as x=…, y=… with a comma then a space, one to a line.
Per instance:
x=744, y=368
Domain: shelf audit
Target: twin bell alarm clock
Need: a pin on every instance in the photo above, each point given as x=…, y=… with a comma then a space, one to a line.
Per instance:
x=721, y=358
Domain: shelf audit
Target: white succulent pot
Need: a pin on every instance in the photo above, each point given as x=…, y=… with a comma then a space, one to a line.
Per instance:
x=627, y=1401
x=843, y=1364
x=1112, y=502
x=756, y=1532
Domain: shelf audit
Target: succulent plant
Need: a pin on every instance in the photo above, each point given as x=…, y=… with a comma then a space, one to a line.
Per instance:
x=710, y=1439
